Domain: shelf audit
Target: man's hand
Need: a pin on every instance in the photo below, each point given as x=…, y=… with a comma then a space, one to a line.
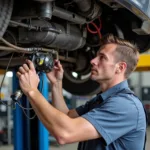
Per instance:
x=56, y=74
x=28, y=79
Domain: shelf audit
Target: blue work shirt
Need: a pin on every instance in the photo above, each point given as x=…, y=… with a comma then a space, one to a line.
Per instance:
x=118, y=116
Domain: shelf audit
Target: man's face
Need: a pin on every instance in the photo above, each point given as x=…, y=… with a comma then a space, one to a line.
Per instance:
x=104, y=65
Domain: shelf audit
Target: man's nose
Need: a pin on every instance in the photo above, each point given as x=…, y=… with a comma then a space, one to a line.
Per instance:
x=94, y=61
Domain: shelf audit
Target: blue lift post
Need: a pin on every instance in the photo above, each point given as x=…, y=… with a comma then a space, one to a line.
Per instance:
x=29, y=134
x=43, y=133
x=18, y=120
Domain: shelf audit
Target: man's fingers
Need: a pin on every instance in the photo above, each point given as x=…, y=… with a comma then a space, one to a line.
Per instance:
x=26, y=68
x=21, y=70
x=31, y=65
x=18, y=74
x=58, y=65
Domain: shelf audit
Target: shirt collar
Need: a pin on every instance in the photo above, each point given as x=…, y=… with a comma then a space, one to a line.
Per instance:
x=104, y=96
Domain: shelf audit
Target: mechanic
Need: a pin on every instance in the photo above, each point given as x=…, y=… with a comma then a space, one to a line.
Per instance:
x=113, y=120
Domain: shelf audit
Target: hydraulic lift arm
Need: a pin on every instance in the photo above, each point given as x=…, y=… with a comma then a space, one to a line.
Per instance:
x=144, y=63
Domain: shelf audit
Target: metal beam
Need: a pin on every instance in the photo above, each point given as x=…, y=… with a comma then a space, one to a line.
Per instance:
x=144, y=63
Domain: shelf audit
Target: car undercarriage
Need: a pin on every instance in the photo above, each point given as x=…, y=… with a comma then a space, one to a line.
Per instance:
x=69, y=30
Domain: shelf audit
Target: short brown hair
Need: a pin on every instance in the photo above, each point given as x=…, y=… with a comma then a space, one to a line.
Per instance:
x=126, y=51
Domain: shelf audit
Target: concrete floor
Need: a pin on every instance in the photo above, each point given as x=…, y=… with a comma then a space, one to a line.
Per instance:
x=65, y=147
x=74, y=146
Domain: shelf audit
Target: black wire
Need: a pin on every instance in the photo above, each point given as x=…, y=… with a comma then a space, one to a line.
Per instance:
x=18, y=102
x=4, y=78
x=23, y=109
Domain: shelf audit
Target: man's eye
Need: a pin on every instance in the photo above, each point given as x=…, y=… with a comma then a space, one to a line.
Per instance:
x=101, y=57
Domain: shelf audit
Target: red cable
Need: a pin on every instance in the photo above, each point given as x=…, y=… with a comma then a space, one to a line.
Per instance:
x=97, y=30
x=94, y=32
x=91, y=31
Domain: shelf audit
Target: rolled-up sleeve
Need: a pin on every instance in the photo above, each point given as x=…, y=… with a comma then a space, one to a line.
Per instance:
x=113, y=119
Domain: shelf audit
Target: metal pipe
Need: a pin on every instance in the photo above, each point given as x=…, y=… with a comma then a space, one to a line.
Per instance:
x=23, y=25
x=45, y=10
x=67, y=15
x=5, y=48
x=28, y=50
x=68, y=59
x=30, y=27
x=15, y=47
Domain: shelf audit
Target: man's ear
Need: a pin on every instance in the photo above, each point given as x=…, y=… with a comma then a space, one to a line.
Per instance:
x=122, y=66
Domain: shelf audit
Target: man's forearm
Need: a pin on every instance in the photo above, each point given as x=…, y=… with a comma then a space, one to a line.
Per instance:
x=55, y=121
x=58, y=99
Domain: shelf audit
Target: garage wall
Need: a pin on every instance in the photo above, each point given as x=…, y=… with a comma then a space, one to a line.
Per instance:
x=137, y=80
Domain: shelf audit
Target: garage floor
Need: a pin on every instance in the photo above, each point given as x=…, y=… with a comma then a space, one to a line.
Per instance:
x=74, y=146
